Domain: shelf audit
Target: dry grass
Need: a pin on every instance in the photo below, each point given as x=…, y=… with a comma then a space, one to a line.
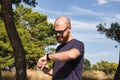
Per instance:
x=8, y=75
x=31, y=75
x=35, y=75
x=96, y=75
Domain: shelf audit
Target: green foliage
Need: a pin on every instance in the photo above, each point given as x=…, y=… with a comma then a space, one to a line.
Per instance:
x=113, y=32
x=94, y=67
x=87, y=64
x=4, y=61
x=29, y=2
x=6, y=51
x=105, y=66
x=34, y=31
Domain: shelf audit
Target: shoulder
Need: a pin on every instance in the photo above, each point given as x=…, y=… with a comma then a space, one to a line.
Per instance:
x=78, y=45
x=77, y=42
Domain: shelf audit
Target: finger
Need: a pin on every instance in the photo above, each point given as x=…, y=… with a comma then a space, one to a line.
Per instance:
x=39, y=65
x=42, y=66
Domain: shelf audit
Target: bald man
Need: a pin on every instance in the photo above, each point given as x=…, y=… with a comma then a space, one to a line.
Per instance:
x=69, y=55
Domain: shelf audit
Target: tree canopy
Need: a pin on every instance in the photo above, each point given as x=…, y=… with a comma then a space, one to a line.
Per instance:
x=35, y=32
x=15, y=41
x=113, y=32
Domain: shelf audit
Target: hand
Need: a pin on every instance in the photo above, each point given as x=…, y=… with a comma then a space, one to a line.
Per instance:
x=42, y=62
x=46, y=69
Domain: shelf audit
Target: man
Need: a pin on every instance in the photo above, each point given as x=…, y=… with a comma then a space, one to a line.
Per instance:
x=68, y=59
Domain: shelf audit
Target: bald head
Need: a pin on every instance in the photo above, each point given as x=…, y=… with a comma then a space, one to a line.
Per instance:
x=62, y=20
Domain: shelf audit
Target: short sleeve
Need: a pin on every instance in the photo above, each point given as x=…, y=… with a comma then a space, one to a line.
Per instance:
x=79, y=46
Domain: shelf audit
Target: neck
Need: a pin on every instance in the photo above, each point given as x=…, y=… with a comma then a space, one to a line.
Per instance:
x=70, y=38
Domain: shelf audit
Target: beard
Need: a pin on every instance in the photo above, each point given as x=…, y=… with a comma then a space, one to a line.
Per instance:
x=62, y=39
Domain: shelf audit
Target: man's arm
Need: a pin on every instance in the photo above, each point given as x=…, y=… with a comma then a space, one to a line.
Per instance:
x=65, y=55
x=61, y=56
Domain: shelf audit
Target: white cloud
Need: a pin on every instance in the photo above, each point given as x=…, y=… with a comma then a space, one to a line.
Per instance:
x=105, y=17
x=90, y=32
x=117, y=17
x=51, y=20
x=102, y=2
x=103, y=55
x=115, y=0
x=73, y=10
x=82, y=25
x=39, y=9
x=111, y=18
x=82, y=11
x=76, y=11
x=90, y=37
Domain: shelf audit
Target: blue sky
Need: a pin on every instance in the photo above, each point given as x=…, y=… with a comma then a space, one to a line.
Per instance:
x=85, y=15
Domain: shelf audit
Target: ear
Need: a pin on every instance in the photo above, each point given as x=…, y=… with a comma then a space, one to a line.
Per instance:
x=69, y=29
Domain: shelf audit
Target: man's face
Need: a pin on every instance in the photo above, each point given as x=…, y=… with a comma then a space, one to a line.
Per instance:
x=61, y=29
x=62, y=35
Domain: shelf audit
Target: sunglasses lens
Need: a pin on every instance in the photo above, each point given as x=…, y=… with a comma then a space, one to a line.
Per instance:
x=58, y=32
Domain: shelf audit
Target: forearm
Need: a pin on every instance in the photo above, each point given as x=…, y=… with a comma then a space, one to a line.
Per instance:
x=58, y=57
x=64, y=56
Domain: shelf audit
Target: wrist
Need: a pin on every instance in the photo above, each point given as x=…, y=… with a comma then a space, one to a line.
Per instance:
x=48, y=58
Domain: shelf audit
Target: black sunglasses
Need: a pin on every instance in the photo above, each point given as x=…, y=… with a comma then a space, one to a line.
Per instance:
x=60, y=31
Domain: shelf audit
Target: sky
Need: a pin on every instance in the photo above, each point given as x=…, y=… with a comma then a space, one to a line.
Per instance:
x=85, y=15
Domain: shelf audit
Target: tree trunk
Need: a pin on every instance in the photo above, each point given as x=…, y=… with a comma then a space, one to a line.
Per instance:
x=117, y=74
x=15, y=40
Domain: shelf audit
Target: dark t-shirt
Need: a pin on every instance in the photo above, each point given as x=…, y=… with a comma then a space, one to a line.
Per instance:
x=70, y=70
